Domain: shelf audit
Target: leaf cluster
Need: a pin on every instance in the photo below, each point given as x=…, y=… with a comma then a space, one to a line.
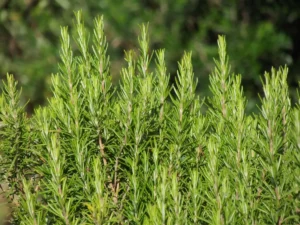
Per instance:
x=145, y=152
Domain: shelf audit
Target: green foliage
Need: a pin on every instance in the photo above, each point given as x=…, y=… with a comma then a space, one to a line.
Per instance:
x=259, y=35
x=145, y=152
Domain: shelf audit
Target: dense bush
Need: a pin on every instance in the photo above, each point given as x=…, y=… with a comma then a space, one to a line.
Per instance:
x=146, y=152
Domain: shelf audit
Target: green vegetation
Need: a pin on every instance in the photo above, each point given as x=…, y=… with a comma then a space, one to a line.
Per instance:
x=146, y=152
x=259, y=35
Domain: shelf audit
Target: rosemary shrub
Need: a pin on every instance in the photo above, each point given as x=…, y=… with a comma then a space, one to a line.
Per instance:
x=144, y=152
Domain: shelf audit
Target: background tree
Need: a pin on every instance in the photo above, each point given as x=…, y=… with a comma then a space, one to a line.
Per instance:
x=259, y=34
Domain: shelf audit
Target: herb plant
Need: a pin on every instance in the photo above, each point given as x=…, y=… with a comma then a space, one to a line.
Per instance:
x=145, y=152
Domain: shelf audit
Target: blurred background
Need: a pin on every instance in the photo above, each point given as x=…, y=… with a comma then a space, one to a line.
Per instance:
x=259, y=34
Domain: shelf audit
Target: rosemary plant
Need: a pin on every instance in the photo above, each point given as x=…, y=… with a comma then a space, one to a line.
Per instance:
x=144, y=152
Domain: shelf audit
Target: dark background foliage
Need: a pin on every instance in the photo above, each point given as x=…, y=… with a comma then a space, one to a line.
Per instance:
x=259, y=34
